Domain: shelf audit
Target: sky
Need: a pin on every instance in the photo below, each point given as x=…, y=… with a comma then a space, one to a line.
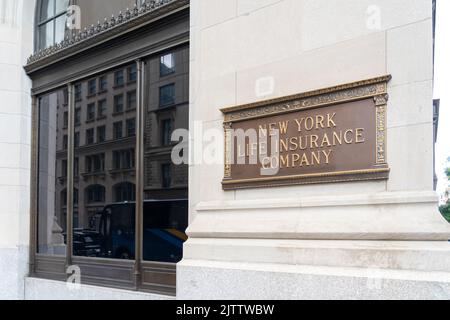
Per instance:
x=442, y=90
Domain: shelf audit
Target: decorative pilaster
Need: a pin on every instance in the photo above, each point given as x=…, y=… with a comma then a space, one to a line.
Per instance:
x=381, y=108
x=228, y=152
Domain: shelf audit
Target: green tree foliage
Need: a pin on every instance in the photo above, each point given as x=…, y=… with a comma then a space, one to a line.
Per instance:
x=445, y=209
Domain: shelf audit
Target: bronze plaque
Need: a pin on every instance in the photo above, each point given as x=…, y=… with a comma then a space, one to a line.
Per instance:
x=336, y=134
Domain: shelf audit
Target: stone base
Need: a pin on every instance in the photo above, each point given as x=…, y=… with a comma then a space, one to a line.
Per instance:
x=41, y=289
x=407, y=216
x=200, y=280
x=387, y=245
x=13, y=268
x=314, y=269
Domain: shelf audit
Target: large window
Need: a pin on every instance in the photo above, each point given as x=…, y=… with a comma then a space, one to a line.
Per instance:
x=166, y=185
x=107, y=177
x=51, y=19
x=92, y=169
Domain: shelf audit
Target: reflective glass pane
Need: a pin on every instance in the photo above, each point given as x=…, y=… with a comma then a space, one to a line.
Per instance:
x=104, y=216
x=47, y=9
x=46, y=35
x=60, y=29
x=52, y=177
x=165, y=183
x=61, y=5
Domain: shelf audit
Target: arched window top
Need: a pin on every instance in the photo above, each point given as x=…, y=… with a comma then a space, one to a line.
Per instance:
x=51, y=22
x=49, y=9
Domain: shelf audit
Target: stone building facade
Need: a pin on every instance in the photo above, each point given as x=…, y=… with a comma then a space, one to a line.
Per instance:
x=67, y=176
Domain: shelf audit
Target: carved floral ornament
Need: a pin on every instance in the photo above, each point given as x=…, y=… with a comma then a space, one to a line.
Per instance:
x=107, y=27
x=376, y=87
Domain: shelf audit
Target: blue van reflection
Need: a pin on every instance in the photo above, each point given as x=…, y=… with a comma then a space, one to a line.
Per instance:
x=164, y=226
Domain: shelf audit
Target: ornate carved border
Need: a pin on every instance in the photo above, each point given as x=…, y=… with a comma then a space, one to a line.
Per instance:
x=381, y=105
x=375, y=88
x=313, y=99
x=337, y=176
x=228, y=146
x=104, y=31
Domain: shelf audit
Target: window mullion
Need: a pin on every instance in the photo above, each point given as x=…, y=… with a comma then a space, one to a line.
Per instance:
x=139, y=171
x=70, y=175
x=34, y=184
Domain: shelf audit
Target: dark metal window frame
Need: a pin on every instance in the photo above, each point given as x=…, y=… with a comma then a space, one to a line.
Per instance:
x=139, y=275
x=53, y=267
x=40, y=23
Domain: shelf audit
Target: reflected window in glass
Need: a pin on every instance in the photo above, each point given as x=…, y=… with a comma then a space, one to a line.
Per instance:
x=92, y=87
x=89, y=136
x=77, y=116
x=90, y=114
x=118, y=130
x=102, y=108
x=166, y=185
x=167, y=95
x=65, y=142
x=101, y=134
x=110, y=224
x=103, y=83
x=118, y=78
x=166, y=175
x=167, y=64
x=76, y=140
x=51, y=198
x=132, y=73
x=131, y=100
x=118, y=103
x=78, y=96
x=131, y=127
x=66, y=119
x=166, y=132
x=95, y=194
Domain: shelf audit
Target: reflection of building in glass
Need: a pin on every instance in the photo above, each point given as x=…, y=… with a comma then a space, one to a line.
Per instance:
x=52, y=171
x=104, y=140
x=167, y=110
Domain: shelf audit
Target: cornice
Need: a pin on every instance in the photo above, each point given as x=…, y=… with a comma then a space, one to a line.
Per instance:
x=102, y=32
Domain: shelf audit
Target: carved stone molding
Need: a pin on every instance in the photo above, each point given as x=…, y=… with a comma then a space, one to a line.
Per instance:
x=228, y=145
x=103, y=31
x=381, y=105
x=381, y=99
x=338, y=94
